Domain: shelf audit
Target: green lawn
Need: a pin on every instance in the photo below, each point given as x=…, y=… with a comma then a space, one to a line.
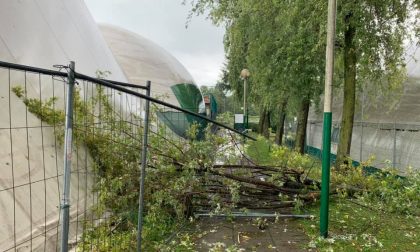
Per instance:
x=356, y=228
x=385, y=216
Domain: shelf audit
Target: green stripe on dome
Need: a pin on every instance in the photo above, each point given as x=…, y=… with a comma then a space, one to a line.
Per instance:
x=189, y=97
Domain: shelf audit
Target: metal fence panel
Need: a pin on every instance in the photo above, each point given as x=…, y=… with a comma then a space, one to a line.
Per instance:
x=107, y=121
x=387, y=144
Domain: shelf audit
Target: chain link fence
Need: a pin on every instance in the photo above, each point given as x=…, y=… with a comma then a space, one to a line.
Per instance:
x=387, y=144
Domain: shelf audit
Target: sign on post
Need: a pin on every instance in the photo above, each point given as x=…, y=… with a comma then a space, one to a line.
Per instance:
x=239, y=122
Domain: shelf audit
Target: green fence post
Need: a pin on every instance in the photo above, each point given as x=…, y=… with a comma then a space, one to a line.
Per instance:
x=326, y=162
x=326, y=133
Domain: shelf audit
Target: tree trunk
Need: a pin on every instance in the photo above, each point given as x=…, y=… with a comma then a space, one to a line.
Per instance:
x=261, y=120
x=346, y=130
x=301, y=127
x=280, y=124
x=264, y=123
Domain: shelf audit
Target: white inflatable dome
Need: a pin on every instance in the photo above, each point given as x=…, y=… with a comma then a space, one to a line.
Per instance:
x=142, y=60
x=43, y=33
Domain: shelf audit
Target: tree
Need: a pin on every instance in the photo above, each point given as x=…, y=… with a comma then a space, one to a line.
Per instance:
x=280, y=123
x=370, y=38
x=282, y=51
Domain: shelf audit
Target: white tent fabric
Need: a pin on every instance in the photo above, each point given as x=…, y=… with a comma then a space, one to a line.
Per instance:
x=40, y=33
x=143, y=60
x=43, y=33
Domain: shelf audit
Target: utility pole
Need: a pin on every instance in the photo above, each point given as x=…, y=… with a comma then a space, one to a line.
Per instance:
x=326, y=133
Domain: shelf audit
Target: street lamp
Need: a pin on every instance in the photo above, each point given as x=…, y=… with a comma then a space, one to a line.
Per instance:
x=244, y=76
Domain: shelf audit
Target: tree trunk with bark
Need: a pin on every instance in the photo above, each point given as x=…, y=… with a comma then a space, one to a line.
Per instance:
x=264, y=123
x=261, y=121
x=347, y=120
x=280, y=124
x=267, y=123
x=301, y=127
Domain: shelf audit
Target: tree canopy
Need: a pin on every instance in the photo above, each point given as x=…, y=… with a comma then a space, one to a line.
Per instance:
x=282, y=43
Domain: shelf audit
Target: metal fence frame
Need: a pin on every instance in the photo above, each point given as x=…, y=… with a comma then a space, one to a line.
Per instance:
x=361, y=148
x=70, y=78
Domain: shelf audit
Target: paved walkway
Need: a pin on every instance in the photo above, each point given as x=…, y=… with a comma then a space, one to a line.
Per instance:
x=246, y=234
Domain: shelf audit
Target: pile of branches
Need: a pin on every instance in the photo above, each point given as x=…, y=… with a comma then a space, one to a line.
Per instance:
x=241, y=184
x=256, y=187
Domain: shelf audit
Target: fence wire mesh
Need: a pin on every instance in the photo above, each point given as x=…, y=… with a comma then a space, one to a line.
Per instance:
x=107, y=133
x=385, y=144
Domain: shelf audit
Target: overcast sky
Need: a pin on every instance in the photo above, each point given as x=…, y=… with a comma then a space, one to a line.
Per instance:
x=199, y=47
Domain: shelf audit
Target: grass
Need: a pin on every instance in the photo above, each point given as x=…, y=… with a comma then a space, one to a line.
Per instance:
x=353, y=227
x=259, y=151
x=253, y=119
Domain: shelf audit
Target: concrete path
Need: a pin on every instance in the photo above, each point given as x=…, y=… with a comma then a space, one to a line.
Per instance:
x=246, y=235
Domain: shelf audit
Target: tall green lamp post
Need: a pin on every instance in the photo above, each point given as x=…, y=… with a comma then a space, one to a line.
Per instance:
x=326, y=133
x=244, y=76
